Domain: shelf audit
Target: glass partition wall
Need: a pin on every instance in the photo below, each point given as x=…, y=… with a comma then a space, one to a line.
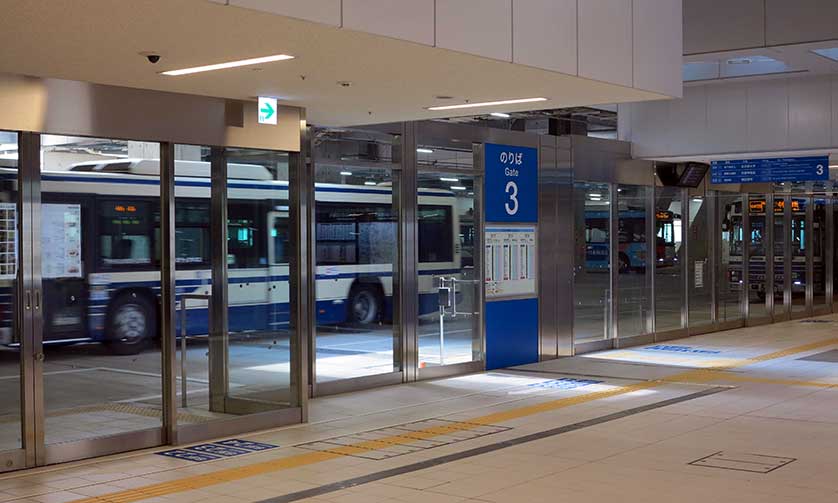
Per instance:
x=669, y=260
x=116, y=352
x=592, y=262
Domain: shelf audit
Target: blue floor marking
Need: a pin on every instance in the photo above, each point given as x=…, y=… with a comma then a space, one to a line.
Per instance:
x=187, y=455
x=681, y=349
x=217, y=450
x=246, y=444
x=564, y=383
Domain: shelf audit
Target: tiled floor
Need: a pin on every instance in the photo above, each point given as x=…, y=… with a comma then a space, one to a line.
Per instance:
x=769, y=402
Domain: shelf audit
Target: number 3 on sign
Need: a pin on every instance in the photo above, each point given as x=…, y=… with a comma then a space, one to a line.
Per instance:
x=512, y=190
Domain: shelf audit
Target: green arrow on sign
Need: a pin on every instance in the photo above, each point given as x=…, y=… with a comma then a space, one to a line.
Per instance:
x=268, y=110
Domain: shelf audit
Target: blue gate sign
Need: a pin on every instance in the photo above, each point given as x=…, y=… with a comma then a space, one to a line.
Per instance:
x=511, y=184
x=197, y=457
x=785, y=169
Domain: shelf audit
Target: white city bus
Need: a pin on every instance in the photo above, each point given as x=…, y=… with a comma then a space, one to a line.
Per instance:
x=111, y=294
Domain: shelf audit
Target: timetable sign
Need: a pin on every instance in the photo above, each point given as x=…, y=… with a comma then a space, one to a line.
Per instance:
x=785, y=169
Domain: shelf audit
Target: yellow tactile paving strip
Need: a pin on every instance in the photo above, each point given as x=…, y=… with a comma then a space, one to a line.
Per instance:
x=295, y=461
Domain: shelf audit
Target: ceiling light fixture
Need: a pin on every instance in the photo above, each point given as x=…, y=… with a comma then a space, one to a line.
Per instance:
x=446, y=179
x=345, y=173
x=231, y=64
x=500, y=115
x=370, y=183
x=458, y=187
x=424, y=150
x=487, y=104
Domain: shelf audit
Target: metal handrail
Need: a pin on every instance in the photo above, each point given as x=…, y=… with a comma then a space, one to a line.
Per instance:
x=183, y=299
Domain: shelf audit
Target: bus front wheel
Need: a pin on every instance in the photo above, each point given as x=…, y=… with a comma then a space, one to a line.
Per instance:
x=364, y=305
x=131, y=322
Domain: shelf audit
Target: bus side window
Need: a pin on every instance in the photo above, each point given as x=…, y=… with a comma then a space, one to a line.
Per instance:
x=436, y=238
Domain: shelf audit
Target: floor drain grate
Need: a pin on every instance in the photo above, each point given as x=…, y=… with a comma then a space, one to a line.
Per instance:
x=742, y=462
x=385, y=443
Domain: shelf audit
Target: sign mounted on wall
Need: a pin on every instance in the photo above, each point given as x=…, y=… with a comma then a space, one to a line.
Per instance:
x=511, y=239
x=267, y=110
x=785, y=169
x=511, y=184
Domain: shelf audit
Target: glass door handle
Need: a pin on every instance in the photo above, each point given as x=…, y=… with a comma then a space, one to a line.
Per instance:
x=27, y=300
x=37, y=300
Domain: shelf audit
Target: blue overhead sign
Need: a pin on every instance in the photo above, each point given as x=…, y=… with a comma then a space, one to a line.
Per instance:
x=511, y=184
x=786, y=169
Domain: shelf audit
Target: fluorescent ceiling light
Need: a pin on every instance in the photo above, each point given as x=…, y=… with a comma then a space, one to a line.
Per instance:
x=424, y=151
x=444, y=179
x=346, y=173
x=487, y=104
x=458, y=187
x=500, y=114
x=231, y=64
x=370, y=183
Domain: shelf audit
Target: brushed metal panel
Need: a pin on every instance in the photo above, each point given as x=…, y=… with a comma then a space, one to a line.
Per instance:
x=80, y=108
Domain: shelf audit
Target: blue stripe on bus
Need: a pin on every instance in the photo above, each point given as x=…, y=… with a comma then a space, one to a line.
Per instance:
x=278, y=185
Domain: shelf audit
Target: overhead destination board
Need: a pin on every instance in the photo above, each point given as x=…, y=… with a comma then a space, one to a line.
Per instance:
x=784, y=169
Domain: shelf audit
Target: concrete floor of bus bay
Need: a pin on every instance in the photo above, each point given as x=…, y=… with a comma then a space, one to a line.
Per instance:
x=742, y=392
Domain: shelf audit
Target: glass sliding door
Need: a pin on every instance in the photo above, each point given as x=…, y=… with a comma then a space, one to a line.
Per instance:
x=592, y=262
x=12, y=338
x=100, y=282
x=730, y=272
x=356, y=229
x=798, y=237
x=782, y=260
x=669, y=259
x=449, y=258
x=819, y=253
x=758, y=253
x=699, y=273
x=634, y=302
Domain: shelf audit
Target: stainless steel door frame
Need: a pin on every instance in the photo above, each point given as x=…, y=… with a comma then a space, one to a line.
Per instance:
x=825, y=255
x=751, y=319
x=476, y=172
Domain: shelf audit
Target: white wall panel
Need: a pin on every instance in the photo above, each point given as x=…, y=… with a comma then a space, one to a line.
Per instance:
x=650, y=141
x=411, y=20
x=688, y=121
x=810, y=112
x=658, y=54
x=717, y=25
x=835, y=111
x=795, y=21
x=544, y=34
x=481, y=27
x=605, y=40
x=768, y=116
x=320, y=11
x=727, y=117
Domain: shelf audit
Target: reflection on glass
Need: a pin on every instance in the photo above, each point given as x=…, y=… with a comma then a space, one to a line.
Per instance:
x=635, y=297
x=798, y=236
x=669, y=258
x=356, y=235
x=835, y=252
x=10, y=337
x=698, y=270
x=101, y=274
x=731, y=244
x=757, y=211
x=447, y=333
x=592, y=281
x=780, y=233
x=819, y=251
x=248, y=370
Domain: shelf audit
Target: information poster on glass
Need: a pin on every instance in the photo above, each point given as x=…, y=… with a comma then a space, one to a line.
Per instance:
x=8, y=241
x=61, y=240
x=510, y=261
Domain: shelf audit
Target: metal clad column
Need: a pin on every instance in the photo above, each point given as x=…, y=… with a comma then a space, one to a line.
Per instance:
x=218, y=339
x=301, y=188
x=548, y=250
x=406, y=288
x=168, y=291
